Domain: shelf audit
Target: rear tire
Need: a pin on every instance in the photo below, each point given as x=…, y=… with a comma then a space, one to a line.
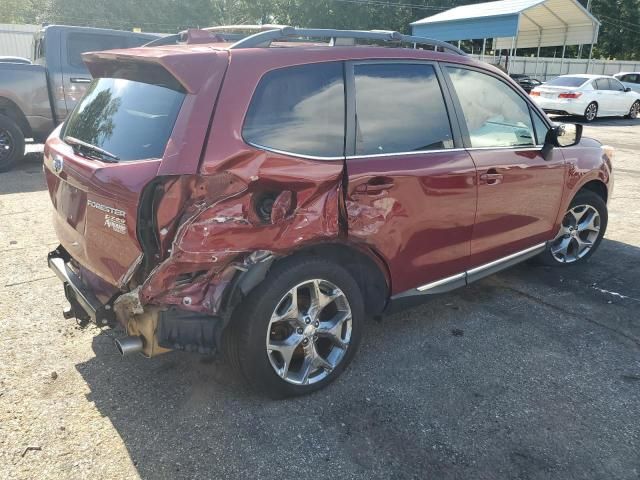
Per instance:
x=591, y=112
x=287, y=348
x=634, y=111
x=11, y=144
x=581, y=232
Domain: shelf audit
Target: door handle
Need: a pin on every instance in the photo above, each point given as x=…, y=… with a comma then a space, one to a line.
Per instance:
x=80, y=80
x=375, y=186
x=492, y=177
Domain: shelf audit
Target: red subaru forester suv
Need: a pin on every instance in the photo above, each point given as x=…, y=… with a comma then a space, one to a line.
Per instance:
x=263, y=197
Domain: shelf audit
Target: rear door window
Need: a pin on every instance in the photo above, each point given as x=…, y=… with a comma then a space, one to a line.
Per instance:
x=299, y=110
x=79, y=43
x=399, y=109
x=495, y=114
x=601, y=84
x=130, y=120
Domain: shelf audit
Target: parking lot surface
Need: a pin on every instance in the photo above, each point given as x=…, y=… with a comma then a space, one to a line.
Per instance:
x=533, y=373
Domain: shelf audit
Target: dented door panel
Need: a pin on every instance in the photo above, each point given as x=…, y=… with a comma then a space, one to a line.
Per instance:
x=422, y=224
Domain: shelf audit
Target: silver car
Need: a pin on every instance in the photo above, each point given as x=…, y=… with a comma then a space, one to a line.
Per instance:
x=629, y=79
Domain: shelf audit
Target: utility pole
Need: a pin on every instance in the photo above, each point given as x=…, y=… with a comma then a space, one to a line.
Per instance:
x=588, y=10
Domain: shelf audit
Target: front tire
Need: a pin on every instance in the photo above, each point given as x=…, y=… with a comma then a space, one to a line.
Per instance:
x=634, y=111
x=11, y=144
x=299, y=329
x=591, y=112
x=581, y=231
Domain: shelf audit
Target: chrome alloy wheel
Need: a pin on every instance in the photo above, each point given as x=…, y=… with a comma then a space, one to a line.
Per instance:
x=635, y=110
x=309, y=332
x=591, y=112
x=578, y=233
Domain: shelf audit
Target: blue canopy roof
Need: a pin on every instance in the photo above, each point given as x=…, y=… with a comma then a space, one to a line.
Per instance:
x=531, y=22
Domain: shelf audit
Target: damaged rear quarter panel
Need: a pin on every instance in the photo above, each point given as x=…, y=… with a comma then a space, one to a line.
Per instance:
x=218, y=228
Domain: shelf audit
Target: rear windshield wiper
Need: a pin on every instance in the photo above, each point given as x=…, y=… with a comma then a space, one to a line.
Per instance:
x=103, y=154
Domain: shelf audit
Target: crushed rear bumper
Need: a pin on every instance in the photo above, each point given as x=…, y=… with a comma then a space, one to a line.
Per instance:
x=83, y=303
x=162, y=328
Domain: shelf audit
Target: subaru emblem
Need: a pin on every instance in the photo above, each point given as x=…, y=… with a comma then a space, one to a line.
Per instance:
x=58, y=163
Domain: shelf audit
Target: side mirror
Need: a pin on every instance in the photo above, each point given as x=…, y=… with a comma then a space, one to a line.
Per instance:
x=627, y=89
x=562, y=135
x=568, y=134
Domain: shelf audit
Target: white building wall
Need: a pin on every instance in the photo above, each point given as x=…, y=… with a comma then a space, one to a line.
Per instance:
x=547, y=68
x=17, y=40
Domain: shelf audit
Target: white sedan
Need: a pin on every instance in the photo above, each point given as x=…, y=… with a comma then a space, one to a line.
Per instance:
x=590, y=96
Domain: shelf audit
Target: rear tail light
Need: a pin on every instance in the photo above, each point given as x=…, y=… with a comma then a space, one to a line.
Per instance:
x=569, y=95
x=534, y=93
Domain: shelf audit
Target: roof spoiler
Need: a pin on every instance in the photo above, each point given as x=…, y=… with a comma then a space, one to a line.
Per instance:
x=170, y=69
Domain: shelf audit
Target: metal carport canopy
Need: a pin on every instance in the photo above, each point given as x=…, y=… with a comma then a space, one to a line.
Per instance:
x=514, y=23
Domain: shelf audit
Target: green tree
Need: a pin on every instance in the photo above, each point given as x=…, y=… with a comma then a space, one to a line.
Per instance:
x=620, y=29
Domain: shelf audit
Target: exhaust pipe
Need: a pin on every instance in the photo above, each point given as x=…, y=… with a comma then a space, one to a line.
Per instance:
x=129, y=345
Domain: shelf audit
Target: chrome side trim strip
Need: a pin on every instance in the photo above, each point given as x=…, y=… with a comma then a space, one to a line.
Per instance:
x=461, y=279
x=527, y=148
x=292, y=154
x=444, y=281
x=394, y=154
x=404, y=154
x=506, y=259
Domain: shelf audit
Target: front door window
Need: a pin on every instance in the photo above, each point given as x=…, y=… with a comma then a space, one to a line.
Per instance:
x=495, y=115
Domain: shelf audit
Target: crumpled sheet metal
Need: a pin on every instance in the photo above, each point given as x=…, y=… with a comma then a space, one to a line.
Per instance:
x=218, y=227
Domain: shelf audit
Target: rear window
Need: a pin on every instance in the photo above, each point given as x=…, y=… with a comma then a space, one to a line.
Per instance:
x=299, y=110
x=567, y=82
x=131, y=120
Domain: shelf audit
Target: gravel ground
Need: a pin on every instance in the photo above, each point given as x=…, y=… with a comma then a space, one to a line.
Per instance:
x=532, y=373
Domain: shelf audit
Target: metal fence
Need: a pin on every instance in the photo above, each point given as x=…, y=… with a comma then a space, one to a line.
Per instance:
x=17, y=40
x=547, y=68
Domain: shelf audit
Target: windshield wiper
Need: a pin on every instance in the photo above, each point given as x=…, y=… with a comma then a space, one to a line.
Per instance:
x=103, y=154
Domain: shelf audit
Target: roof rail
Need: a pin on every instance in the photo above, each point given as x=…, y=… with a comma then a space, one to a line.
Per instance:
x=224, y=32
x=243, y=28
x=264, y=38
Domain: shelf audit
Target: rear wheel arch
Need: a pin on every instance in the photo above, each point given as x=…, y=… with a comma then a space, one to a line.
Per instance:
x=9, y=109
x=368, y=272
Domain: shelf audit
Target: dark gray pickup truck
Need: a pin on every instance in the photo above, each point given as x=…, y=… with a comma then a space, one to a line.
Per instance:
x=35, y=97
